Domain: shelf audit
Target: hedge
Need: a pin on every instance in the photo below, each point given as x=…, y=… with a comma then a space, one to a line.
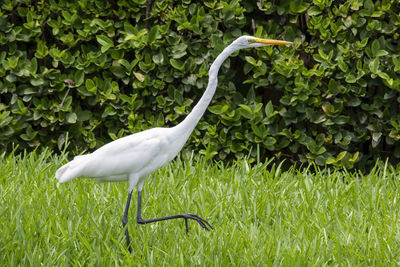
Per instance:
x=100, y=70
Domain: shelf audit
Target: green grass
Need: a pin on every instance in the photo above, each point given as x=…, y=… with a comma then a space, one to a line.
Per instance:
x=262, y=216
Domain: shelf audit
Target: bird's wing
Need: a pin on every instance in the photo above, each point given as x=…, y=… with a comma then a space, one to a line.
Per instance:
x=138, y=154
x=127, y=143
x=81, y=156
x=124, y=157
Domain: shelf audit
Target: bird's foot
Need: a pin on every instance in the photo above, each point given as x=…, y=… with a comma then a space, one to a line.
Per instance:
x=203, y=223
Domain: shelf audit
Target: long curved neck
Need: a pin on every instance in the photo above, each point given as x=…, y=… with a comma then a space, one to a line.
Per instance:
x=186, y=127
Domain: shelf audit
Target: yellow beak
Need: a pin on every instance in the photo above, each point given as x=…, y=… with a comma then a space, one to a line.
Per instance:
x=271, y=42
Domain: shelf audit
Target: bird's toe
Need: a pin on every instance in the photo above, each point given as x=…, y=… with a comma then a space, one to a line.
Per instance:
x=203, y=223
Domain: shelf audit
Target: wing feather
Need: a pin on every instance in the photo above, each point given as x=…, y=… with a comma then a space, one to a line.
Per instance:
x=138, y=154
x=120, y=158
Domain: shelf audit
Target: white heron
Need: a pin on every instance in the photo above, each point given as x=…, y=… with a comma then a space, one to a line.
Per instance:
x=136, y=156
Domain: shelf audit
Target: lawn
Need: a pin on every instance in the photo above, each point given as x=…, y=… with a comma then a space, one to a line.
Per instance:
x=262, y=216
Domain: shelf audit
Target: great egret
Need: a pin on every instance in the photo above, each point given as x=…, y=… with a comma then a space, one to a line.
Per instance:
x=135, y=156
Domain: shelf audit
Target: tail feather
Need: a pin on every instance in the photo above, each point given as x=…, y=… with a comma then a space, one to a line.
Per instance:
x=72, y=169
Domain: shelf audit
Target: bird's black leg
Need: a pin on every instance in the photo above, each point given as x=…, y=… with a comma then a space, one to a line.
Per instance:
x=125, y=221
x=203, y=223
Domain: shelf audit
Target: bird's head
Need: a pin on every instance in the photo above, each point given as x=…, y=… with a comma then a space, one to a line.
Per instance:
x=251, y=41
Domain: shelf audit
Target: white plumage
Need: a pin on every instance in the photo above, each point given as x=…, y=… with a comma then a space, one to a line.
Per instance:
x=129, y=158
x=135, y=156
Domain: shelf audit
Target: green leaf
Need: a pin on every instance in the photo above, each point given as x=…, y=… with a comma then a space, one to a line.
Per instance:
x=343, y=66
x=139, y=2
x=177, y=64
x=380, y=53
x=153, y=34
x=341, y=155
x=251, y=95
x=79, y=77
x=11, y=78
x=246, y=111
x=259, y=130
x=355, y=157
x=61, y=141
x=375, y=46
x=313, y=11
x=33, y=66
x=269, y=109
x=350, y=78
x=312, y=146
x=71, y=117
x=385, y=77
x=139, y=76
x=118, y=71
x=269, y=142
x=109, y=111
x=41, y=50
x=84, y=115
x=161, y=100
x=298, y=6
x=246, y=108
x=374, y=65
x=354, y=102
x=396, y=62
x=158, y=58
x=37, y=82
x=218, y=109
x=251, y=60
x=90, y=85
x=106, y=42
x=341, y=119
x=331, y=161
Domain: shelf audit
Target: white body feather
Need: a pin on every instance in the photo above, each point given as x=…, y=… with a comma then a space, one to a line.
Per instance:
x=129, y=158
